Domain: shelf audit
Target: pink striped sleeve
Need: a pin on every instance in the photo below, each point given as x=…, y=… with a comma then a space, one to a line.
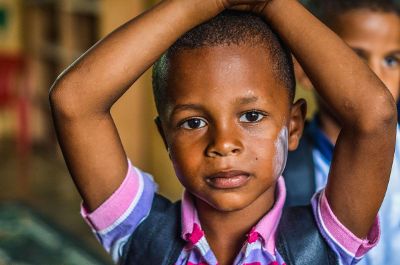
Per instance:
x=115, y=206
x=349, y=247
x=118, y=217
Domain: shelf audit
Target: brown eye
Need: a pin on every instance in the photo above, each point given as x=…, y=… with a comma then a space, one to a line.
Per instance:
x=194, y=123
x=252, y=116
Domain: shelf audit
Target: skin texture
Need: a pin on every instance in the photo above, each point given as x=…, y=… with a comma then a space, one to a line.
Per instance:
x=225, y=140
x=209, y=133
x=281, y=149
x=375, y=37
x=81, y=99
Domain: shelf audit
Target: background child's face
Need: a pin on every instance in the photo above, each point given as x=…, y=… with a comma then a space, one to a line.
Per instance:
x=226, y=124
x=375, y=36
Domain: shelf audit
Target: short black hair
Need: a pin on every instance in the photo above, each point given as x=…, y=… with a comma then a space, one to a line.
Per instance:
x=228, y=28
x=329, y=10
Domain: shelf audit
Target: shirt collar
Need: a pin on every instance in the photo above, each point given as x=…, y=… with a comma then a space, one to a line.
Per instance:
x=264, y=229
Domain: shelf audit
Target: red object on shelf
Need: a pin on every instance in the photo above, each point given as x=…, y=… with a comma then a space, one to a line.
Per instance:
x=14, y=95
x=10, y=68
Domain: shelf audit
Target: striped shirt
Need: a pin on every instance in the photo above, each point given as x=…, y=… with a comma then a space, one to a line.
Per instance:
x=116, y=219
x=386, y=252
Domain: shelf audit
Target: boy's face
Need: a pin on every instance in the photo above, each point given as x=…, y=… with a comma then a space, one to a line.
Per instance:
x=375, y=37
x=226, y=125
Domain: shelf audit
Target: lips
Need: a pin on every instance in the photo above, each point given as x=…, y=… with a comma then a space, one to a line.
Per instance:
x=228, y=179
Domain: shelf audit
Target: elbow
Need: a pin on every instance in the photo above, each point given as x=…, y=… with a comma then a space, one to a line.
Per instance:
x=379, y=116
x=64, y=103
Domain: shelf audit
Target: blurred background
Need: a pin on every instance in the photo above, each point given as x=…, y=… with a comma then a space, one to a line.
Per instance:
x=39, y=205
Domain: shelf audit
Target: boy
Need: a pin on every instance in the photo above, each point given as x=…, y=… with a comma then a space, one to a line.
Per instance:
x=372, y=29
x=224, y=95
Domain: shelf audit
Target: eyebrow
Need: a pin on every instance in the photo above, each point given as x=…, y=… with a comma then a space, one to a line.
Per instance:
x=364, y=52
x=396, y=52
x=359, y=51
x=198, y=107
x=246, y=100
x=182, y=107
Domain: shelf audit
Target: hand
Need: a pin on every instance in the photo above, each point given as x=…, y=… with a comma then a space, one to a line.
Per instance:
x=256, y=6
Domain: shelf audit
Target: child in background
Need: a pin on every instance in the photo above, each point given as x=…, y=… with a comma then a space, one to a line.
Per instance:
x=372, y=29
x=224, y=94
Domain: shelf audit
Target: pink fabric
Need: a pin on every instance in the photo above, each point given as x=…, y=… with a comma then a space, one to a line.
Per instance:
x=196, y=235
x=115, y=206
x=266, y=228
x=342, y=235
x=189, y=215
x=252, y=236
x=127, y=207
x=269, y=223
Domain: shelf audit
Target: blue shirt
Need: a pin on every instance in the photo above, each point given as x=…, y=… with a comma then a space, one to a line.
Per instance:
x=388, y=250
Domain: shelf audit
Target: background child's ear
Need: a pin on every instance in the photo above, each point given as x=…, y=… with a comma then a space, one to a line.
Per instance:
x=157, y=121
x=296, y=124
x=301, y=77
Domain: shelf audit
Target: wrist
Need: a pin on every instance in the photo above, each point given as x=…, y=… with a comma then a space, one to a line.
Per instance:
x=274, y=7
x=196, y=12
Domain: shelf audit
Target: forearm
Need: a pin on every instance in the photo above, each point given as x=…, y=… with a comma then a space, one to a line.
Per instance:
x=82, y=96
x=363, y=155
x=345, y=82
x=96, y=80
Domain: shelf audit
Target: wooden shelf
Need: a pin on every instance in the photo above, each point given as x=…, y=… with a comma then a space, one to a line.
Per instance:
x=69, y=6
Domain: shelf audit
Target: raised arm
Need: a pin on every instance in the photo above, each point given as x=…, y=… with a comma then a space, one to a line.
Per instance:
x=364, y=151
x=81, y=98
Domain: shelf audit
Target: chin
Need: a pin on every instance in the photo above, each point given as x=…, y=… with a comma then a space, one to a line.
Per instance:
x=229, y=203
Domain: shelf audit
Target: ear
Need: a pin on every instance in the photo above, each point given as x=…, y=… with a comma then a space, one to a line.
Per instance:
x=160, y=129
x=296, y=124
x=301, y=77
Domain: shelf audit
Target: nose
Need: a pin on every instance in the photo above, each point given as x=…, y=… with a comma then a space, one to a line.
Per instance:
x=224, y=141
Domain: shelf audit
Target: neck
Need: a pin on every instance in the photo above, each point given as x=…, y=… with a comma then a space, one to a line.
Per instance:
x=226, y=231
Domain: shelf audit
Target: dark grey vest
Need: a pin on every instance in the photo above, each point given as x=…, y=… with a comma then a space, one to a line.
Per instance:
x=299, y=172
x=157, y=240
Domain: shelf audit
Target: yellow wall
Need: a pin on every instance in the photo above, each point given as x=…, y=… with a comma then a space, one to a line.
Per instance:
x=10, y=37
x=135, y=112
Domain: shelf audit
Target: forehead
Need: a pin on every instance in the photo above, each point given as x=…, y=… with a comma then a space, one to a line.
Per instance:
x=223, y=72
x=369, y=29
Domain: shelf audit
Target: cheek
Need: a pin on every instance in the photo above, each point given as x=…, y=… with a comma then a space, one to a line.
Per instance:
x=262, y=152
x=186, y=160
x=281, y=152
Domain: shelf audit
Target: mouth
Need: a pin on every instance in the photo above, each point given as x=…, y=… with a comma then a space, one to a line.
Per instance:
x=228, y=179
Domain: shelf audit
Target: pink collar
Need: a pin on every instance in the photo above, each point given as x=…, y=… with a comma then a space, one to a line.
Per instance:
x=265, y=228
